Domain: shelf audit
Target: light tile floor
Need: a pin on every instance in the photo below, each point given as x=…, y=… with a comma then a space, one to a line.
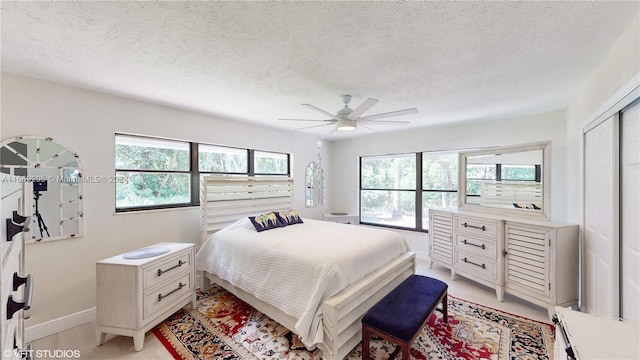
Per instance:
x=83, y=337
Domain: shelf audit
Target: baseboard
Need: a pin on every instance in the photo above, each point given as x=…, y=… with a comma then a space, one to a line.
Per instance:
x=54, y=326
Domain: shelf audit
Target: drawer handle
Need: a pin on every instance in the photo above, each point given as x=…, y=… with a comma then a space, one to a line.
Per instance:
x=14, y=306
x=180, y=263
x=472, y=244
x=472, y=263
x=483, y=228
x=180, y=286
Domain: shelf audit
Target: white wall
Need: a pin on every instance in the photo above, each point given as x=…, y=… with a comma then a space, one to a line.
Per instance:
x=64, y=270
x=619, y=68
x=529, y=129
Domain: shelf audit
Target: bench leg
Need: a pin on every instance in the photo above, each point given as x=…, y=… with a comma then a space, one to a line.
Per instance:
x=444, y=308
x=405, y=351
x=365, y=343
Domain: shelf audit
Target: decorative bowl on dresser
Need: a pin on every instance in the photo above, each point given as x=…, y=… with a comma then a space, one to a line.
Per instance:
x=139, y=289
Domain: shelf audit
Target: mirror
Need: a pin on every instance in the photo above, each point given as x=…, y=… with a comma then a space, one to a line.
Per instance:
x=313, y=182
x=49, y=176
x=508, y=179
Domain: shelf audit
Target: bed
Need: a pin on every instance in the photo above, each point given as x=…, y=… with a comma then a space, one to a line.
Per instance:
x=327, y=274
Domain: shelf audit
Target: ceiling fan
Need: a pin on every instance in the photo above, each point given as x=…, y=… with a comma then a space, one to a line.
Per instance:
x=348, y=119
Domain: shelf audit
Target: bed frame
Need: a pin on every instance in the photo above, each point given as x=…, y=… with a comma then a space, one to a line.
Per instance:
x=226, y=199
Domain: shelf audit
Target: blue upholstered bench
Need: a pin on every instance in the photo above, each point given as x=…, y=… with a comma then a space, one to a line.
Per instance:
x=400, y=315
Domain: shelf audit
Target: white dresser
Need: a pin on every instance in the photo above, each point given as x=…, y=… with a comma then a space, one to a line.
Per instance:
x=532, y=259
x=134, y=295
x=343, y=218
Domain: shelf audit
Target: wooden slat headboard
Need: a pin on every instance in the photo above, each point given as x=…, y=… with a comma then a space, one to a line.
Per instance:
x=505, y=193
x=225, y=199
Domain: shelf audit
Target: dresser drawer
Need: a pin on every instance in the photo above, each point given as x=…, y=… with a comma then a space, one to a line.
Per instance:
x=157, y=273
x=476, y=265
x=472, y=225
x=166, y=295
x=477, y=245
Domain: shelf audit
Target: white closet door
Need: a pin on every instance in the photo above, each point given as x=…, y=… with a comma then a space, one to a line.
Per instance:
x=630, y=212
x=601, y=246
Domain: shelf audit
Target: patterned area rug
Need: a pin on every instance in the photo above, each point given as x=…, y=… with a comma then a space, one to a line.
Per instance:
x=224, y=327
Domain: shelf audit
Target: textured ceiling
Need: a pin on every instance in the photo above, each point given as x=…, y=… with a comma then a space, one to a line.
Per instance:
x=258, y=61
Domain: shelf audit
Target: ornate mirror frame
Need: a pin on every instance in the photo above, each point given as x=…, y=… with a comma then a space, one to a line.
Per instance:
x=314, y=185
x=49, y=177
x=531, y=199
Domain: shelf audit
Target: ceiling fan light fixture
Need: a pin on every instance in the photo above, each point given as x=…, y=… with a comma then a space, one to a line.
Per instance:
x=346, y=125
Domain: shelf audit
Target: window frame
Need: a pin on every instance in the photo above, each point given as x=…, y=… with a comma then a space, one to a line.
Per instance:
x=194, y=172
x=419, y=190
x=145, y=171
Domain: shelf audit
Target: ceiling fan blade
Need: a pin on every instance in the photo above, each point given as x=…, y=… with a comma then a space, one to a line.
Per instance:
x=321, y=111
x=382, y=122
x=391, y=114
x=366, y=105
x=313, y=126
x=307, y=120
x=366, y=127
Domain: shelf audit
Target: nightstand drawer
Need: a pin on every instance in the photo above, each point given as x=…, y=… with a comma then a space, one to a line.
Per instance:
x=477, y=245
x=476, y=265
x=167, y=294
x=157, y=273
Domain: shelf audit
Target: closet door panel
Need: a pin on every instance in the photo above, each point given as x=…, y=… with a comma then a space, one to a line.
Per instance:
x=630, y=212
x=601, y=246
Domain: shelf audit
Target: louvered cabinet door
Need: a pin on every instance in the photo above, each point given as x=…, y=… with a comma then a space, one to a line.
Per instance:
x=441, y=230
x=527, y=260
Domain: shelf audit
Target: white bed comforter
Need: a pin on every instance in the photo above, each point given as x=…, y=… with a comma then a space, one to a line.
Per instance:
x=296, y=268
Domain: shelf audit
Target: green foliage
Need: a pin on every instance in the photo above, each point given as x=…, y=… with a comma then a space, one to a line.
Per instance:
x=144, y=189
x=222, y=162
x=398, y=172
x=517, y=173
x=129, y=157
x=382, y=174
x=270, y=165
x=152, y=188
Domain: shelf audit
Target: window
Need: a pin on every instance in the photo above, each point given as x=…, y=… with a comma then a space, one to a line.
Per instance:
x=160, y=173
x=479, y=172
x=220, y=159
x=439, y=183
x=476, y=174
x=155, y=172
x=269, y=163
x=519, y=172
x=398, y=190
x=388, y=190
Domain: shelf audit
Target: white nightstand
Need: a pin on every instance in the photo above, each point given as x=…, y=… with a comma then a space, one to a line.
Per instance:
x=135, y=292
x=343, y=218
